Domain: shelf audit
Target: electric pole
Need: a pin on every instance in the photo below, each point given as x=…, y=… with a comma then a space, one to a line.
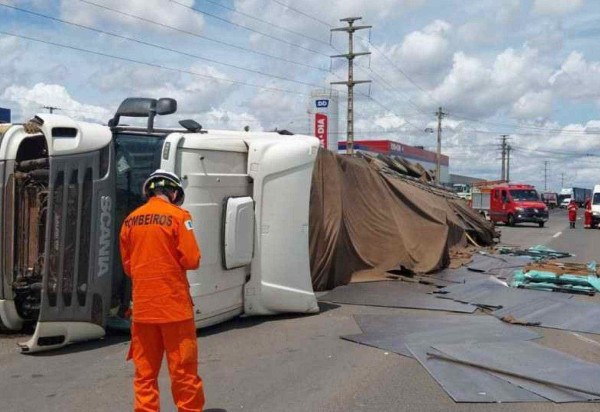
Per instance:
x=439, y=115
x=545, y=175
x=51, y=109
x=350, y=82
x=562, y=180
x=503, y=173
x=508, y=149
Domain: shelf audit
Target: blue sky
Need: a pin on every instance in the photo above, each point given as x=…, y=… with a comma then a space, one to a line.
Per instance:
x=528, y=68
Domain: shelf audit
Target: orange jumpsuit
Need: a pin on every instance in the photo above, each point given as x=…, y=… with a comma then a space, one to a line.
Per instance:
x=157, y=247
x=587, y=222
x=572, y=208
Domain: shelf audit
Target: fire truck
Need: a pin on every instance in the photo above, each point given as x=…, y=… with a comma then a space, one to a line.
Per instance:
x=66, y=186
x=509, y=203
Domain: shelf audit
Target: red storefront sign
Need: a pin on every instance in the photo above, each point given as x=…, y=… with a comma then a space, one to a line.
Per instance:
x=321, y=128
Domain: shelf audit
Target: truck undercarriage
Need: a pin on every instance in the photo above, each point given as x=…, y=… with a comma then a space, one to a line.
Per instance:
x=30, y=185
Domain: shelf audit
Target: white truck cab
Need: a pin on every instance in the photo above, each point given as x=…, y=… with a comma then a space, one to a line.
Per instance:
x=596, y=206
x=66, y=187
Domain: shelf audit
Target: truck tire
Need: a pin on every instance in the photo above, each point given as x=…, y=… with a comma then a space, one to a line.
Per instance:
x=510, y=221
x=541, y=224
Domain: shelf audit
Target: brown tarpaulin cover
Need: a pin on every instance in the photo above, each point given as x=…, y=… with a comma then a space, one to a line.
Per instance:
x=362, y=219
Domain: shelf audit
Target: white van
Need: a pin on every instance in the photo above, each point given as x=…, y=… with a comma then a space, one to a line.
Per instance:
x=596, y=206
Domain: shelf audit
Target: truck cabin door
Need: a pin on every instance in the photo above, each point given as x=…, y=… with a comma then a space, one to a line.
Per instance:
x=505, y=198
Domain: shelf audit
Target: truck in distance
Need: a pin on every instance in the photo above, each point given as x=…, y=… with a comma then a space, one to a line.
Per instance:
x=509, y=203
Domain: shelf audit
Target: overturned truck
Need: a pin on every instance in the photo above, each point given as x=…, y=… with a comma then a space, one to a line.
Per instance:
x=66, y=186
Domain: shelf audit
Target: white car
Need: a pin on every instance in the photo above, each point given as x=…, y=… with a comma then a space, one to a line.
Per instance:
x=565, y=202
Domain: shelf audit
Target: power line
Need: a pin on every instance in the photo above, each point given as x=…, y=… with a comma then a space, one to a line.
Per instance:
x=526, y=127
x=157, y=46
x=200, y=36
x=159, y=66
x=214, y=16
x=302, y=13
x=390, y=61
x=216, y=3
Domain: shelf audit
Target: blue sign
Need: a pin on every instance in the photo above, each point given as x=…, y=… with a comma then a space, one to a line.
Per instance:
x=322, y=103
x=4, y=115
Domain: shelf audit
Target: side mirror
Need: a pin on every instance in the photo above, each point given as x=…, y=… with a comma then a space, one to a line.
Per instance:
x=166, y=106
x=143, y=107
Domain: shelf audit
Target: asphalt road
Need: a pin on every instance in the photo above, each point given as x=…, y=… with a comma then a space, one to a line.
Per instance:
x=285, y=363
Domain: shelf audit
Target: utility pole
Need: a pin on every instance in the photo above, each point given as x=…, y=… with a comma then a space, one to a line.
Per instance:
x=503, y=173
x=51, y=109
x=545, y=175
x=350, y=82
x=508, y=149
x=439, y=115
x=562, y=180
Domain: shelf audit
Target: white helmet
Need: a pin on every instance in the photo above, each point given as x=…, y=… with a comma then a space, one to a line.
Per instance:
x=163, y=178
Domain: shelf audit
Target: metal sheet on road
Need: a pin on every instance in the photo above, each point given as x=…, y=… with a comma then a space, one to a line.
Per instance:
x=529, y=359
x=556, y=313
x=393, y=333
x=490, y=293
x=467, y=384
x=393, y=294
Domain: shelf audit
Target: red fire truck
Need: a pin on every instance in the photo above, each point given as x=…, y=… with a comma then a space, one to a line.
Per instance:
x=509, y=203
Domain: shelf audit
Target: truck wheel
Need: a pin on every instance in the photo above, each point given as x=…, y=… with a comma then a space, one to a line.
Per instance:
x=511, y=220
x=541, y=224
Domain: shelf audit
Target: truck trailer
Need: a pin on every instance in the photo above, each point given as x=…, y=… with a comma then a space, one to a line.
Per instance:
x=578, y=193
x=66, y=187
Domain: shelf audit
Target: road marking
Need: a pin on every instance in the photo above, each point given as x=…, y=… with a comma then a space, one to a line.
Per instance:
x=557, y=234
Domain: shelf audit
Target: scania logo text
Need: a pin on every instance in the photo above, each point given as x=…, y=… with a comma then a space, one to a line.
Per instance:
x=105, y=232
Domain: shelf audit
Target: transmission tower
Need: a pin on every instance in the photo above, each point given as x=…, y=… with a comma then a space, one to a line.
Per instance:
x=350, y=29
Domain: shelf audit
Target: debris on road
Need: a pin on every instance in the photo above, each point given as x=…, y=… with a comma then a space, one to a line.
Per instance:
x=539, y=252
x=392, y=294
x=483, y=358
x=536, y=368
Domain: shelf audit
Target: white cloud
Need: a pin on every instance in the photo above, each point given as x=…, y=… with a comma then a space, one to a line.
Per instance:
x=165, y=12
x=269, y=105
x=428, y=50
x=556, y=7
x=548, y=38
x=476, y=88
x=577, y=78
x=31, y=101
x=533, y=105
x=194, y=93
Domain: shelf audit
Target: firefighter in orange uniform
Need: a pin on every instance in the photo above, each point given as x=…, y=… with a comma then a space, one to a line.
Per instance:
x=587, y=217
x=157, y=247
x=572, y=208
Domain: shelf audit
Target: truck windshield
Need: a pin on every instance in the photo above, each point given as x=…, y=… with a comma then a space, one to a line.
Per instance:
x=596, y=200
x=136, y=157
x=523, y=194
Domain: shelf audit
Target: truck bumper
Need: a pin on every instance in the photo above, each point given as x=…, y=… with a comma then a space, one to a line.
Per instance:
x=9, y=318
x=525, y=218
